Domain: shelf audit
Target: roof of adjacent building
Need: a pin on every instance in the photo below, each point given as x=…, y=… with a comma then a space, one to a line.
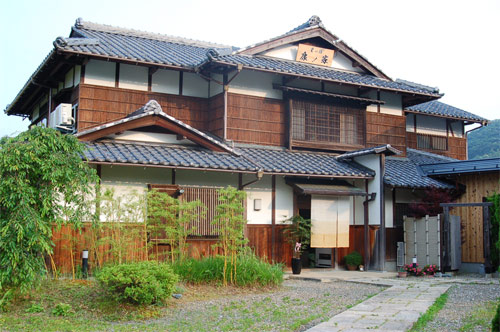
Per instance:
x=270, y=161
x=462, y=167
x=437, y=108
x=406, y=172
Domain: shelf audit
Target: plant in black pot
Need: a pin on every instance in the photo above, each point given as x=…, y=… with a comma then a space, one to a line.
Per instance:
x=353, y=260
x=298, y=234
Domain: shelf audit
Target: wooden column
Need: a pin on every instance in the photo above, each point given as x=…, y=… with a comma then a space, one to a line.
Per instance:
x=366, y=229
x=225, y=88
x=382, y=237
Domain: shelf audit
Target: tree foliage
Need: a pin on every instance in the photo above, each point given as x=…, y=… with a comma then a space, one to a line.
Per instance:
x=485, y=142
x=43, y=182
x=171, y=218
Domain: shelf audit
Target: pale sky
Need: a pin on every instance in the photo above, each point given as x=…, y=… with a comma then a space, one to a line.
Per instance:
x=453, y=45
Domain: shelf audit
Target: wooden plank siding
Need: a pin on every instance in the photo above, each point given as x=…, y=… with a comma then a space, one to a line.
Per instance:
x=256, y=120
x=100, y=104
x=478, y=186
x=386, y=129
x=457, y=146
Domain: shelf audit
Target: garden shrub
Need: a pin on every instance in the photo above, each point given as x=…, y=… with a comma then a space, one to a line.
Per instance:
x=495, y=324
x=139, y=283
x=62, y=309
x=354, y=258
x=251, y=270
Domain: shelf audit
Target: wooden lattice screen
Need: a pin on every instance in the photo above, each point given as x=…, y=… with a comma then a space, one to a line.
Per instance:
x=328, y=123
x=209, y=197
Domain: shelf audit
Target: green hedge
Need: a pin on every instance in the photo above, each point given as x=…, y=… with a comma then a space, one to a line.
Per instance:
x=139, y=283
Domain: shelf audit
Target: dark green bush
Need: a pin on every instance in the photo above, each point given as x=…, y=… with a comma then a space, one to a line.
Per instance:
x=354, y=258
x=250, y=270
x=139, y=283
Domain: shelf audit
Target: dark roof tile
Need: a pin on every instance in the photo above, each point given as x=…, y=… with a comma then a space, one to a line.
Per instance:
x=406, y=172
x=441, y=109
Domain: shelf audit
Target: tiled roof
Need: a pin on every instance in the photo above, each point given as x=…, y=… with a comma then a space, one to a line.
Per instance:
x=386, y=149
x=252, y=160
x=441, y=109
x=166, y=155
x=128, y=44
x=312, y=71
x=281, y=161
x=152, y=107
x=406, y=173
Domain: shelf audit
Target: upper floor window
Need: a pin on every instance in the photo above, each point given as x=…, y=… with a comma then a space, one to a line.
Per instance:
x=338, y=125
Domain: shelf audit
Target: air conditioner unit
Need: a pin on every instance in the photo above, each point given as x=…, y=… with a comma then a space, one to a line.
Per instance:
x=61, y=116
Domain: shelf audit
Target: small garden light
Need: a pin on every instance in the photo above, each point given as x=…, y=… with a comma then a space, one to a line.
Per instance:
x=85, y=263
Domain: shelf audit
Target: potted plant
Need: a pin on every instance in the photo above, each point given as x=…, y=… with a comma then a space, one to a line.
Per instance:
x=353, y=260
x=298, y=234
x=402, y=273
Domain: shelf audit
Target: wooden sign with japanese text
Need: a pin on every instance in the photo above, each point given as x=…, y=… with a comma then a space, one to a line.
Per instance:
x=315, y=55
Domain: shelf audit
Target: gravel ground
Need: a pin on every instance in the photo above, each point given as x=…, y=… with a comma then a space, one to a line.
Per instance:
x=296, y=306
x=464, y=307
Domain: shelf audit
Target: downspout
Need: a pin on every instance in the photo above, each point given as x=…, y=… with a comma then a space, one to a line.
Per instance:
x=467, y=138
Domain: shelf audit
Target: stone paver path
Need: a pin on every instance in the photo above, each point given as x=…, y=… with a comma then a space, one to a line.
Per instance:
x=395, y=309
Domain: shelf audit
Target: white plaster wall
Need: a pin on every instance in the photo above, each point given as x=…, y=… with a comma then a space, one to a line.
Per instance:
x=371, y=95
x=389, y=216
x=340, y=61
x=254, y=83
x=359, y=215
x=216, y=88
x=393, y=103
x=138, y=136
x=206, y=178
x=373, y=162
x=431, y=125
x=284, y=200
x=68, y=78
x=260, y=190
x=165, y=81
x=78, y=73
x=289, y=52
x=457, y=127
x=133, y=77
x=100, y=73
x=410, y=123
x=194, y=86
x=263, y=190
x=341, y=89
x=305, y=83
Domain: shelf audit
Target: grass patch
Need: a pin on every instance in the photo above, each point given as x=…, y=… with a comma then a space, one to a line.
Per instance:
x=250, y=271
x=429, y=315
x=480, y=318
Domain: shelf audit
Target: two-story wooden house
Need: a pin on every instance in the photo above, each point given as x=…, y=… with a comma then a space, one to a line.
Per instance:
x=302, y=122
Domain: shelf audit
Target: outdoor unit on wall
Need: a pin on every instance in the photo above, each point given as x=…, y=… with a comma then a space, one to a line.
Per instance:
x=61, y=116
